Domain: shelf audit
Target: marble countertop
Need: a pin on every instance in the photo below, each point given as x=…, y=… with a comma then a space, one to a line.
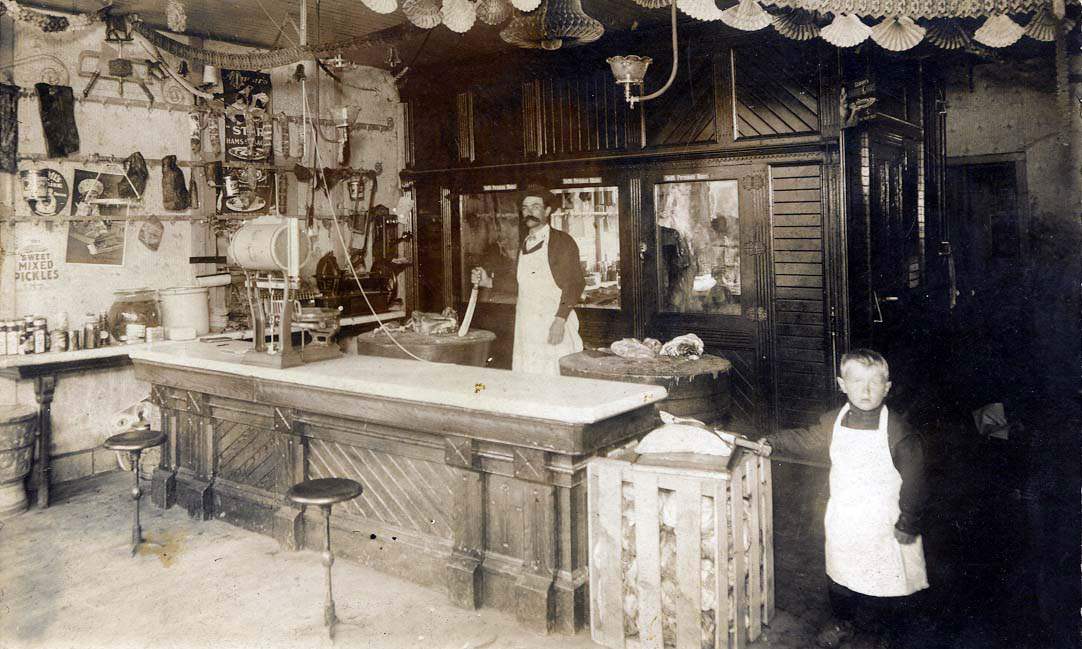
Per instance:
x=492, y=391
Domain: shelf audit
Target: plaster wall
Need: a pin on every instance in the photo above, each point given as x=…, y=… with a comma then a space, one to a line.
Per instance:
x=1011, y=108
x=85, y=402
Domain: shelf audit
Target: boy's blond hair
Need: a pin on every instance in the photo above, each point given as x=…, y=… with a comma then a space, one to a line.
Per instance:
x=867, y=358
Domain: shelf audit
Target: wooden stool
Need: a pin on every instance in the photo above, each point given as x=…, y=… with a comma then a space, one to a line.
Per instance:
x=135, y=441
x=325, y=492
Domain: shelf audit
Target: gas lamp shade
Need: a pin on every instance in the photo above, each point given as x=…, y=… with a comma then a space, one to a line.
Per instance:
x=630, y=69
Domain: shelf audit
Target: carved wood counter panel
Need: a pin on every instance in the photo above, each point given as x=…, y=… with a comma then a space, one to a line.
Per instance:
x=490, y=508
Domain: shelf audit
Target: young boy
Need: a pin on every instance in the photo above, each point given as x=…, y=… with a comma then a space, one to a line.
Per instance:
x=874, y=555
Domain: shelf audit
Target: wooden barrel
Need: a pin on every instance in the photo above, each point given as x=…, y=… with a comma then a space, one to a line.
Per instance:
x=17, y=427
x=697, y=388
x=471, y=349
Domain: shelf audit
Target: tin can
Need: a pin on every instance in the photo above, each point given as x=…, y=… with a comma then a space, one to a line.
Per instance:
x=90, y=331
x=14, y=337
x=356, y=189
x=155, y=334
x=3, y=337
x=58, y=340
x=75, y=339
x=40, y=336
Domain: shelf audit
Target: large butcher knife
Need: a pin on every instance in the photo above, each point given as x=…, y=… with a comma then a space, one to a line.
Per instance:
x=464, y=328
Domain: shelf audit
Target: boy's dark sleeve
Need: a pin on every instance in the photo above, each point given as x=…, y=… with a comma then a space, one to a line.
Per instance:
x=908, y=455
x=807, y=442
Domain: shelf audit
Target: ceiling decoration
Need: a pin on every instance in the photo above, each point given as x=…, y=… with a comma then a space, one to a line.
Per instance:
x=999, y=31
x=1042, y=26
x=553, y=25
x=915, y=8
x=381, y=6
x=898, y=34
x=493, y=12
x=699, y=9
x=423, y=13
x=846, y=30
x=799, y=25
x=895, y=25
x=458, y=15
x=747, y=15
x=947, y=34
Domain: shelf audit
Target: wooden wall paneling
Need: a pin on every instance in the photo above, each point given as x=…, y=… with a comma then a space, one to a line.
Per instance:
x=497, y=120
x=802, y=364
x=465, y=126
x=244, y=435
x=775, y=90
x=687, y=112
x=433, y=131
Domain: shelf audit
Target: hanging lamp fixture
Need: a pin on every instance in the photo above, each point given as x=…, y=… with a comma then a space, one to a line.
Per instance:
x=631, y=70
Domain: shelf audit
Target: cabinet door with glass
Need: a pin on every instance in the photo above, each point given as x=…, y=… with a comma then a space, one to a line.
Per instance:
x=704, y=259
x=489, y=234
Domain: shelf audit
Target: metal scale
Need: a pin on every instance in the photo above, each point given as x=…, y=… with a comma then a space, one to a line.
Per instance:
x=271, y=252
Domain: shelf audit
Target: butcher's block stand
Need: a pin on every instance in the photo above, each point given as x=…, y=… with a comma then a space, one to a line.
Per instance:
x=697, y=388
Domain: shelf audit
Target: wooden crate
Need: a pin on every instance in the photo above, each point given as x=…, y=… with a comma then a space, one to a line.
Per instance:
x=647, y=590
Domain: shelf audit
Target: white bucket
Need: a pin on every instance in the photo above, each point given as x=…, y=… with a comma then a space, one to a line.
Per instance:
x=185, y=307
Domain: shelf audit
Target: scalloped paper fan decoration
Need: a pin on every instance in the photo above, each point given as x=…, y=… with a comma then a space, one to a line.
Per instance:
x=458, y=15
x=422, y=13
x=846, y=30
x=381, y=6
x=898, y=34
x=748, y=16
x=526, y=5
x=1043, y=26
x=799, y=25
x=493, y=12
x=999, y=31
x=700, y=9
x=947, y=34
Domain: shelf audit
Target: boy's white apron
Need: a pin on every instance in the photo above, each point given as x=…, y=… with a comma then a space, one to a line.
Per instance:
x=538, y=300
x=861, y=551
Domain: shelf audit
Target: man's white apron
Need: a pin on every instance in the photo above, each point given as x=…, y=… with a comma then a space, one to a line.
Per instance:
x=861, y=551
x=538, y=300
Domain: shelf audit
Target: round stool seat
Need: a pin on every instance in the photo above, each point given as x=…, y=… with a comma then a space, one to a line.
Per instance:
x=135, y=440
x=324, y=491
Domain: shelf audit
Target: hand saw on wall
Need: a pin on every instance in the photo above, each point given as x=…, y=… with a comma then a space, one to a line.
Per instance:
x=108, y=64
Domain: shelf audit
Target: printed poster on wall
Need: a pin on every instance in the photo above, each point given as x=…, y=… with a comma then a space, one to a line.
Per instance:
x=97, y=194
x=248, y=138
x=96, y=242
x=36, y=269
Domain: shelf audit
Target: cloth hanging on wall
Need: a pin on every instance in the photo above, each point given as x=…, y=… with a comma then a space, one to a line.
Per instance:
x=56, y=104
x=174, y=188
x=135, y=168
x=9, y=128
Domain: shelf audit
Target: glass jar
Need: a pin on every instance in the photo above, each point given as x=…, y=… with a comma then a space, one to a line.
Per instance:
x=132, y=312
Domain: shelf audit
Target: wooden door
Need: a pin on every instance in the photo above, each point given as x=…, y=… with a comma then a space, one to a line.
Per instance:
x=886, y=249
x=704, y=251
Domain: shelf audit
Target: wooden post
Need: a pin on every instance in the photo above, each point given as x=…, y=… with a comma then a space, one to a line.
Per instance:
x=1072, y=40
x=292, y=451
x=536, y=606
x=467, y=523
x=44, y=386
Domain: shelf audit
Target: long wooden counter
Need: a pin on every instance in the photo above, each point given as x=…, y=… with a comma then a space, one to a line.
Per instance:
x=474, y=478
